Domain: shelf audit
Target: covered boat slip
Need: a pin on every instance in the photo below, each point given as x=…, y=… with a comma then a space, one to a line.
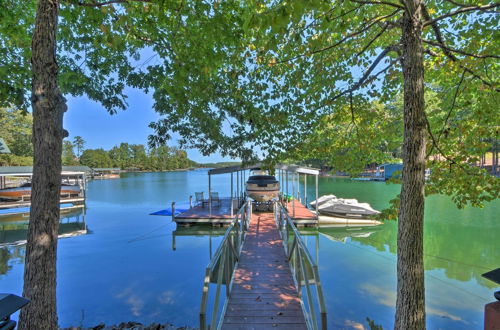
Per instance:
x=223, y=210
x=15, y=176
x=14, y=228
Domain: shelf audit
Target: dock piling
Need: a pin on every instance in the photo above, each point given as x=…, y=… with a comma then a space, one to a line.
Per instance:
x=173, y=211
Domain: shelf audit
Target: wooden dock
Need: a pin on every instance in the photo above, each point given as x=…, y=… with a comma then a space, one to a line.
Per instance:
x=217, y=214
x=263, y=295
x=220, y=214
x=302, y=215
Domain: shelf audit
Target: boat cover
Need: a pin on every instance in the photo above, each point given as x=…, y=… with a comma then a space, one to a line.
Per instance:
x=331, y=205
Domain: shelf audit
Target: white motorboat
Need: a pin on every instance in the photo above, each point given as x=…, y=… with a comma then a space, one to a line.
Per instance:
x=332, y=206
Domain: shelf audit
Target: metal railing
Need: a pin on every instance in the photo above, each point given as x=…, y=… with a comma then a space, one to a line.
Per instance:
x=304, y=270
x=223, y=264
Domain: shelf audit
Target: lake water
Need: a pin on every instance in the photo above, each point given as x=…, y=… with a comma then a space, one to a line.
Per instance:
x=134, y=266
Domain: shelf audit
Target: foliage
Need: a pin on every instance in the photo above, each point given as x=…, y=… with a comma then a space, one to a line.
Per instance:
x=135, y=156
x=15, y=129
x=219, y=164
x=97, y=50
x=373, y=325
x=68, y=156
x=79, y=144
x=270, y=73
x=13, y=160
x=353, y=137
x=96, y=158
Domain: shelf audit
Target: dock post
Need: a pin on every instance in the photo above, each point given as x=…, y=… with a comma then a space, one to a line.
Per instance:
x=190, y=201
x=317, y=214
x=305, y=190
x=293, y=193
x=238, y=187
x=209, y=194
x=232, y=210
x=286, y=179
x=173, y=211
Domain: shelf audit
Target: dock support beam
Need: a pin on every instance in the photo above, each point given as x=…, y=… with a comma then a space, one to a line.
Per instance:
x=209, y=194
x=317, y=214
x=232, y=209
x=305, y=190
x=173, y=211
x=293, y=193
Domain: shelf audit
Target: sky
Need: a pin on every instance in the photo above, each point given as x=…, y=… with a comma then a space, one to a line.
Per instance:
x=99, y=129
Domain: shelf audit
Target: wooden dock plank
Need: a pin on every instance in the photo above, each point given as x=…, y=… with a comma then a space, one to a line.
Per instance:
x=263, y=295
x=221, y=213
x=220, y=210
x=301, y=211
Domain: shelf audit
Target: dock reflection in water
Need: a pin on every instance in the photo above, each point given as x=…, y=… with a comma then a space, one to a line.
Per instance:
x=214, y=234
x=14, y=228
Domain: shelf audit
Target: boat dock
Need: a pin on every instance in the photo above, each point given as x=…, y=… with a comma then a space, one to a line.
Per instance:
x=264, y=295
x=215, y=214
x=262, y=265
x=222, y=210
x=13, y=176
x=270, y=279
x=220, y=214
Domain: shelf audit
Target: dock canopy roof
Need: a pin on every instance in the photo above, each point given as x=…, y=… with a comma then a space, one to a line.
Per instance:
x=289, y=168
x=28, y=170
x=298, y=169
x=232, y=169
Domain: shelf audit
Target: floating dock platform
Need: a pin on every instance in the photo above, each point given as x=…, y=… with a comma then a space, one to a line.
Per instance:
x=221, y=214
x=216, y=214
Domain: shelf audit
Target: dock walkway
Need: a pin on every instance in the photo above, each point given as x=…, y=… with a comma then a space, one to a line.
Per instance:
x=263, y=295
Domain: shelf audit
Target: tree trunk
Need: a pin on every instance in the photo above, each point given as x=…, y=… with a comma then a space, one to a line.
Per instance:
x=410, y=304
x=48, y=109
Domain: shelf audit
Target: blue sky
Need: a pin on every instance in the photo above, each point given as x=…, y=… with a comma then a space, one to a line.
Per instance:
x=99, y=129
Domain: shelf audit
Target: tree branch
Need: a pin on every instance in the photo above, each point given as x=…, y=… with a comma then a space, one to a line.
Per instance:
x=105, y=3
x=460, y=11
x=441, y=152
x=458, y=51
x=341, y=41
x=448, y=51
x=449, y=112
x=376, y=2
x=366, y=75
x=374, y=39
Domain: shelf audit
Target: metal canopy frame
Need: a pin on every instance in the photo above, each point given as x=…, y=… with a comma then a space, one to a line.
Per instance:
x=296, y=171
x=26, y=172
x=237, y=188
x=283, y=173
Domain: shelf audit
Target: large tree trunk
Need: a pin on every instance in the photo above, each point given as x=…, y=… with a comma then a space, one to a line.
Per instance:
x=410, y=304
x=48, y=109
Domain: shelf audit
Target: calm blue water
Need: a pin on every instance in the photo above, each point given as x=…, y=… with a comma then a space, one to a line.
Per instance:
x=126, y=268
